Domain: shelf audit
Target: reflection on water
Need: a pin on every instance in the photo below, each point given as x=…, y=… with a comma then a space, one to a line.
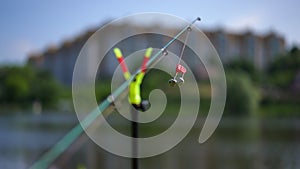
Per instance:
x=237, y=143
x=24, y=137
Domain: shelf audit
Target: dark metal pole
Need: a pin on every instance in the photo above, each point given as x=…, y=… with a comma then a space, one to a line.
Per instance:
x=135, y=134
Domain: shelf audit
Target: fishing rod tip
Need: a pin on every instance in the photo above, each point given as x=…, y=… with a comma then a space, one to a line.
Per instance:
x=198, y=18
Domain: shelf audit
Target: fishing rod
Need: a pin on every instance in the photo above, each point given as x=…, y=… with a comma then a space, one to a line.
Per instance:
x=179, y=68
x=48, y=158
x=162, y=51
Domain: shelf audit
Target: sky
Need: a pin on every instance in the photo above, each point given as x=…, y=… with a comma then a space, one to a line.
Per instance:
x=32, y=26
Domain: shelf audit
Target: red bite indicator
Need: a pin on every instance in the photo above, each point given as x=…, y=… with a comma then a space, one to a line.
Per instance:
x=180, y=69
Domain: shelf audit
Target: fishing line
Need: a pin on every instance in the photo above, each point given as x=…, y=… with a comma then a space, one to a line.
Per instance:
x=185, y=41
x=179, y=68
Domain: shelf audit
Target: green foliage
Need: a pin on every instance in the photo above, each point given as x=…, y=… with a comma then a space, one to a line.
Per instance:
x=280, y=109
x=45, y=89
x=21, y=86
x=102, y=90
x=17, y=88
x=243, y=65
x=242, y=96
x=282, y=71
x=155, y=79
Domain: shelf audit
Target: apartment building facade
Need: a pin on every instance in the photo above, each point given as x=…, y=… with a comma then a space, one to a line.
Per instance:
x=261, y=50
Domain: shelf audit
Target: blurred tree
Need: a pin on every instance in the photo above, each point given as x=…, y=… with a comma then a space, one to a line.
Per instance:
x=244, y=66
x=102, y=89
x=45, y=89
x=16, y=88
x=14, y=84
x=20, y=85
x=155, y=79
x=242, y=96
x=283, y=70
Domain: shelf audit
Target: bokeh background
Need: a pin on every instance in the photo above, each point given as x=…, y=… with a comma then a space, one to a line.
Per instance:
x=258, y=43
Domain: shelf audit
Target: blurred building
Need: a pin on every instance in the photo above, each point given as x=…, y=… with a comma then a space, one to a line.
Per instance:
x=259, y=49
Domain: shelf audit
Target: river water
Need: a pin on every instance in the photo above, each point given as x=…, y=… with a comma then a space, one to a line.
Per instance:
x=237, y=143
